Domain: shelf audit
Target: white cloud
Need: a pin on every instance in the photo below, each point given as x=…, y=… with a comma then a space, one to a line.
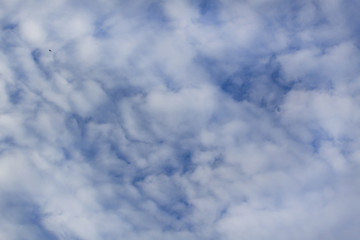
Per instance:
x=336, y=115
x=182, y=120
x=33, y=32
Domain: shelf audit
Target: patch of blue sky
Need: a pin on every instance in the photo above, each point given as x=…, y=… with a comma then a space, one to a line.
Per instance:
x=10, y=26
x=261, y=84
x=119, y=93
x=209, y=11
x=10, y=39
x=15, y=95
x=100, y=30
x=37, y=55
x=78, y=124
x=177, y=209
x=7, y=143
x=180, y=164
x=19, y=210
x=350, y=7
x=155, y=12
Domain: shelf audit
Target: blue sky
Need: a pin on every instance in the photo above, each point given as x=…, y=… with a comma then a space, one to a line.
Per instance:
x=200, y=120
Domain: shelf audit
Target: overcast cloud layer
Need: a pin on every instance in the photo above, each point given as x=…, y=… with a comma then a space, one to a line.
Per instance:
x=196, y=120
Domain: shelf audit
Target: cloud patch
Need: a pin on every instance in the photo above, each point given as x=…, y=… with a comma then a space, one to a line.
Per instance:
x=182, y=120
